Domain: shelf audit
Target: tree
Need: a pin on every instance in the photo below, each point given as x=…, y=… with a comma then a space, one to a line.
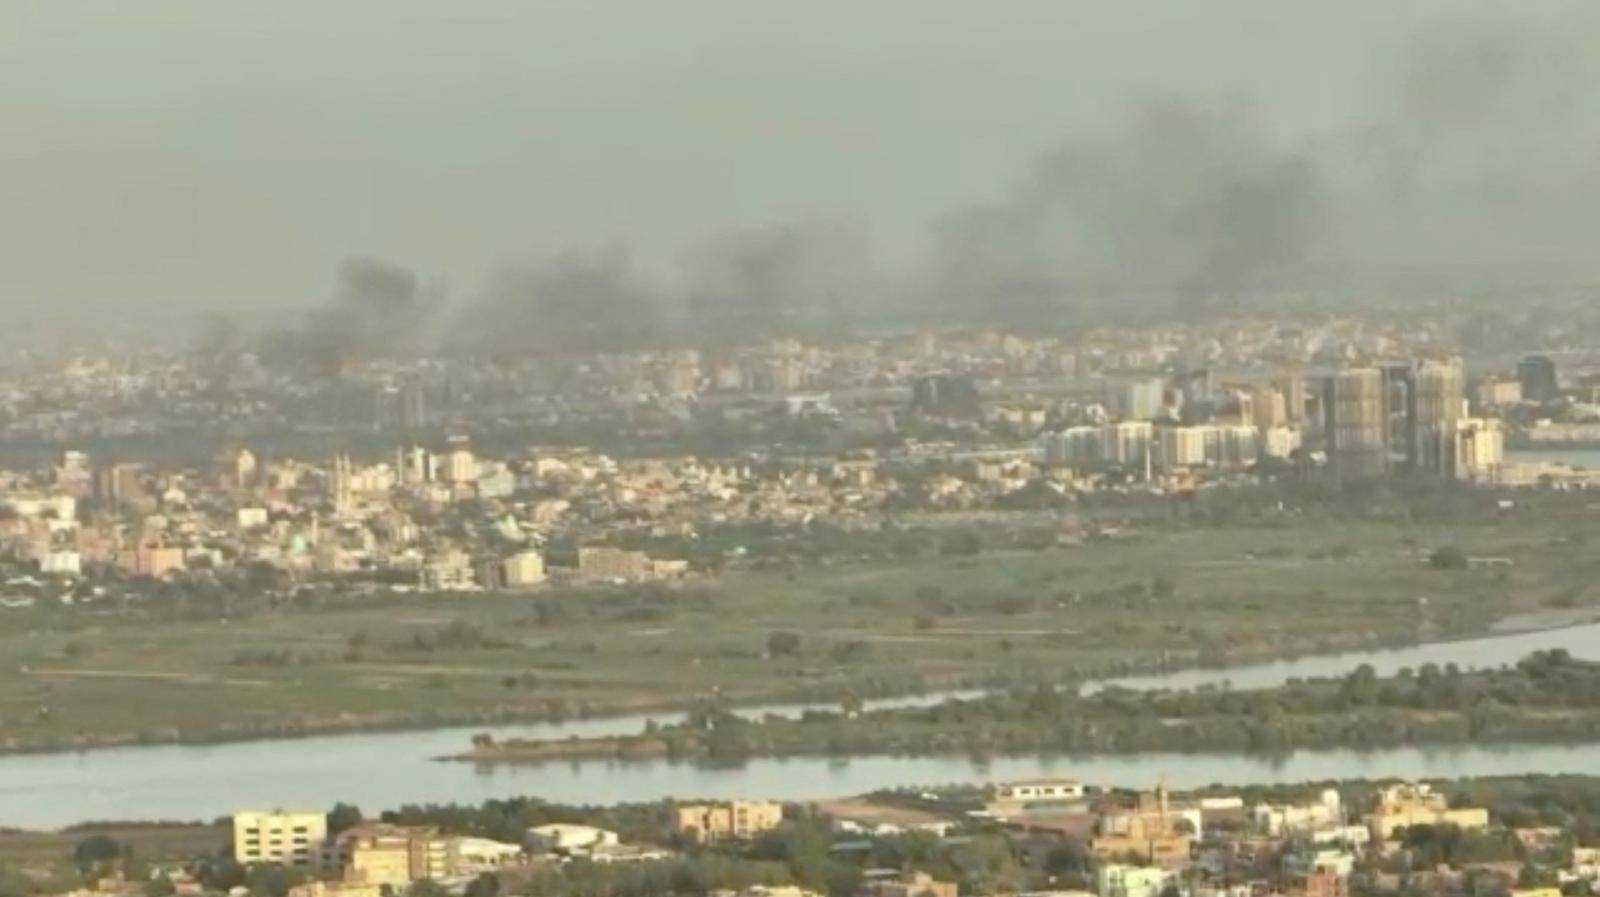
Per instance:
x=487, y=884
x=95, y=852
x=271, y=880
x=783, y=644
x=1448, y=558
x=426, y=887
x=850, y=703
x=14, y=884
x=344, y=817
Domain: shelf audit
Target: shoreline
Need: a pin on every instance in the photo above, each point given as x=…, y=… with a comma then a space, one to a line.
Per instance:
x=1515, y=625
x=561, y=753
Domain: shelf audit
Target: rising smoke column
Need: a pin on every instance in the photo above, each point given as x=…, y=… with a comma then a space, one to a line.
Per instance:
x=378, y=309
x=1180, y=197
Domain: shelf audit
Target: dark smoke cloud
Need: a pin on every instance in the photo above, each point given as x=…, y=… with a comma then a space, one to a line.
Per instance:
x=378, y=309
x=1479, y=167
x=1476, y=165
x=1485, y=169
x=1182, y=197
x=581, y=300
x=802, y=277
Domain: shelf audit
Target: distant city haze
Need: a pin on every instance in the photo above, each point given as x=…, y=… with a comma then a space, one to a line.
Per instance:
x=731, y=158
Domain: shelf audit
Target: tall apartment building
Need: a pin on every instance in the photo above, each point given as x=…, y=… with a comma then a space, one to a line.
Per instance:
x=1182, y=447
x=1479, y=450
x=1268, y=408
x=1293, y=389
x=1127, y=443
x=1435, y=408
x=291, y=839
x=1356, y=410
x=460, y=465
x=1141, y=398
x=1537, y=376
x=1072, y=447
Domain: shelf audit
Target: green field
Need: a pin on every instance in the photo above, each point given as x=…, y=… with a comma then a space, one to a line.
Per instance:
x=1166, y=589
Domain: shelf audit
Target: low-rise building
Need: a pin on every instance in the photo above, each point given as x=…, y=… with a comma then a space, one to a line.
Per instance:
x=1118, y=880
x=912, y=884
x=336, y=889
x=603, y=563
x=561, y=838
x=395, y=855
x=729, y=820
x=523, y=570
x=1402, y=806
x=291, y=839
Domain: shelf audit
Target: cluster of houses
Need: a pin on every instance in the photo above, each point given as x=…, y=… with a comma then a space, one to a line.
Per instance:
x=1132, y=844
x=1149, y=844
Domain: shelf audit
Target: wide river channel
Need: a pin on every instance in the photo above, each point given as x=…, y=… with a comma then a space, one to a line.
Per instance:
x=383, y=770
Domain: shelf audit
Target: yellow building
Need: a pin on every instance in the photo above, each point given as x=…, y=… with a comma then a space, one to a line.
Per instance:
x=1153, y=830
x=395, y=855
x=154, y=561
x=731, y=820
x=599, y=562
x=335, y=889
x=523, y=570
x=292, y=839
x=1402, y=806
x=912, y=884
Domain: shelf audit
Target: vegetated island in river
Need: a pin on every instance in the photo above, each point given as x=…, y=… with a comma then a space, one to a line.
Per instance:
x=1547, y=696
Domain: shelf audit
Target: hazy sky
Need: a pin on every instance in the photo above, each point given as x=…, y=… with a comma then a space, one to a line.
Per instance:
x=212, y=152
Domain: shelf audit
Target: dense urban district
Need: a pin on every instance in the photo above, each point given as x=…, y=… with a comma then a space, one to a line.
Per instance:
x=1502, y=837
x=201, y=546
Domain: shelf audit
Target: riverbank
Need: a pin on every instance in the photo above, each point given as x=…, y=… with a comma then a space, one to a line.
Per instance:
x=1165, y=594
x=1248, y=672
x=1547, y=696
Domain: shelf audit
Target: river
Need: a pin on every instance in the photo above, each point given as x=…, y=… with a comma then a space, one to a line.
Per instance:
x=383, y=770
x=1572, y=456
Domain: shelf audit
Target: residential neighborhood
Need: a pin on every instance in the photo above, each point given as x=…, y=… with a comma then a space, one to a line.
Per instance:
x=1041, y=836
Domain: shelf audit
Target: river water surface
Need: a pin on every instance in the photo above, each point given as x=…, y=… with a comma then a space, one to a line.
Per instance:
x=383, y=770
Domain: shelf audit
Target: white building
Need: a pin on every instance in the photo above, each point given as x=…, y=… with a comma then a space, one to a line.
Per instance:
x=66, y=563
x=564, y=838
x=1299, y=819
x=1117, y=880
x=1040, y=790
x=483, y=855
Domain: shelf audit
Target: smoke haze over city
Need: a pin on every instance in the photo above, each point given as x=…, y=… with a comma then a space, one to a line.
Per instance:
x=712, y=172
